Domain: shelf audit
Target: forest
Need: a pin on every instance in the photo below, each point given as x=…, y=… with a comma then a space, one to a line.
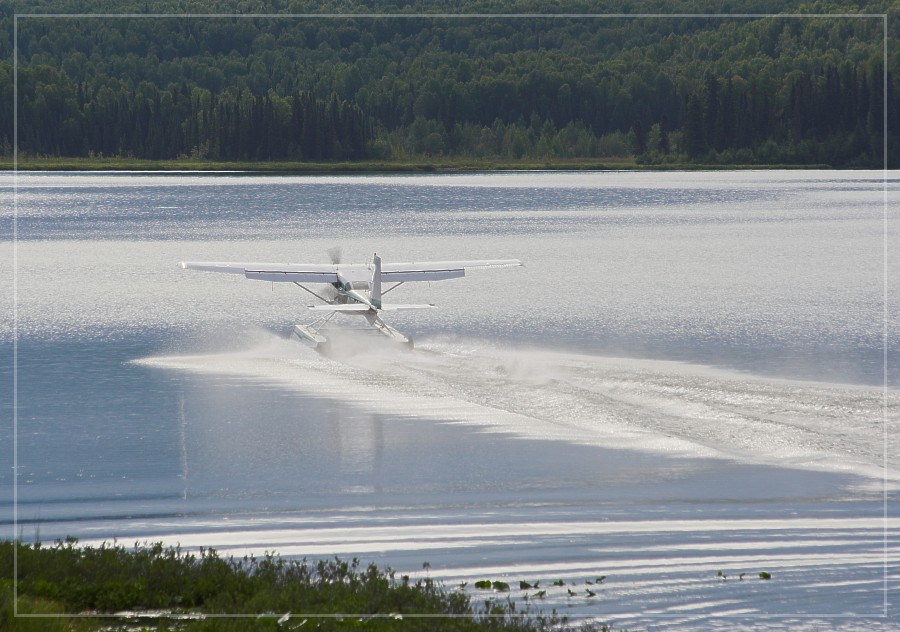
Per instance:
x=281, y=80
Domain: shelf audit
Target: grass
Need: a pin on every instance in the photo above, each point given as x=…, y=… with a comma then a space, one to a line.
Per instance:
x=68, y=587
x=53, y=163
x=437, y=165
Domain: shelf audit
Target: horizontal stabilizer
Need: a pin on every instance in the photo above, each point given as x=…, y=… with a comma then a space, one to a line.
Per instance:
x=391, y=308
x=357, y=307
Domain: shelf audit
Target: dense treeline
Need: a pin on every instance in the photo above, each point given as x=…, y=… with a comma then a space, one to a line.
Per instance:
x=835, y=117
x=257, y=593
x=63, y=118
x=721, y=90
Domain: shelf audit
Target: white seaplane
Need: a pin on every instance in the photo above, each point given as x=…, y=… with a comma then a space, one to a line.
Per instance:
x=353, y=288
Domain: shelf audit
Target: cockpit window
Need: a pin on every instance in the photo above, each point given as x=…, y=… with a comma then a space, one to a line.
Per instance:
x=360, y=286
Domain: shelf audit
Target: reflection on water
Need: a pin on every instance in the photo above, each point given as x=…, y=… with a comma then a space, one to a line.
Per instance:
x=150, y=404
x=254, y=432
x=773, y=273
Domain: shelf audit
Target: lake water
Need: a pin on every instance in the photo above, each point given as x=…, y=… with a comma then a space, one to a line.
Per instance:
x=687, y=376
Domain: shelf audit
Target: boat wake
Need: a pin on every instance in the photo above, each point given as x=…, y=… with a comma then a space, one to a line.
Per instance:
x=657, y=406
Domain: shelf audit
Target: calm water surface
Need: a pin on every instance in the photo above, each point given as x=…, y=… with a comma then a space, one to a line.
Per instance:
x=768, y=275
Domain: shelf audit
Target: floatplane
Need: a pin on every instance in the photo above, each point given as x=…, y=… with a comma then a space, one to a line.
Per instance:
x=351, y=288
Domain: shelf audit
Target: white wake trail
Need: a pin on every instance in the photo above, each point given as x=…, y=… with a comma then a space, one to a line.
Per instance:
x=657, y=406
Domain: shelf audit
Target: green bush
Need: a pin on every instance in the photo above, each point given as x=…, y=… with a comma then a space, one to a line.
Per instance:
x=66, y=578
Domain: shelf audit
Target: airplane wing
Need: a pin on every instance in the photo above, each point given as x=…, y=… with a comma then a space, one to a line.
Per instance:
x=328, y=273
x=285, y=272
x=439, y=270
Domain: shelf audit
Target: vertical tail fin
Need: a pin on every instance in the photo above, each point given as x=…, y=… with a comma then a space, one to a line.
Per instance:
x=376, y=282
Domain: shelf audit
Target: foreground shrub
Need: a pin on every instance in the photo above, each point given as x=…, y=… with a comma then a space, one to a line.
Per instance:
x=166, y=588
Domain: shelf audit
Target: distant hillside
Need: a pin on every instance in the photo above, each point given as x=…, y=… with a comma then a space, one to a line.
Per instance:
x=730, y=89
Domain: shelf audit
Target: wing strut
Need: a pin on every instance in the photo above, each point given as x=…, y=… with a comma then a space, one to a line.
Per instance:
x=311, y=292
x=393, y=287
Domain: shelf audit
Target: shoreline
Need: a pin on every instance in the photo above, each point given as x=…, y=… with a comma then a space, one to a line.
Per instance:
x=448, y=165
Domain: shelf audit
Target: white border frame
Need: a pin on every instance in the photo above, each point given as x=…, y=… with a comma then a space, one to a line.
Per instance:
x=370, y=16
